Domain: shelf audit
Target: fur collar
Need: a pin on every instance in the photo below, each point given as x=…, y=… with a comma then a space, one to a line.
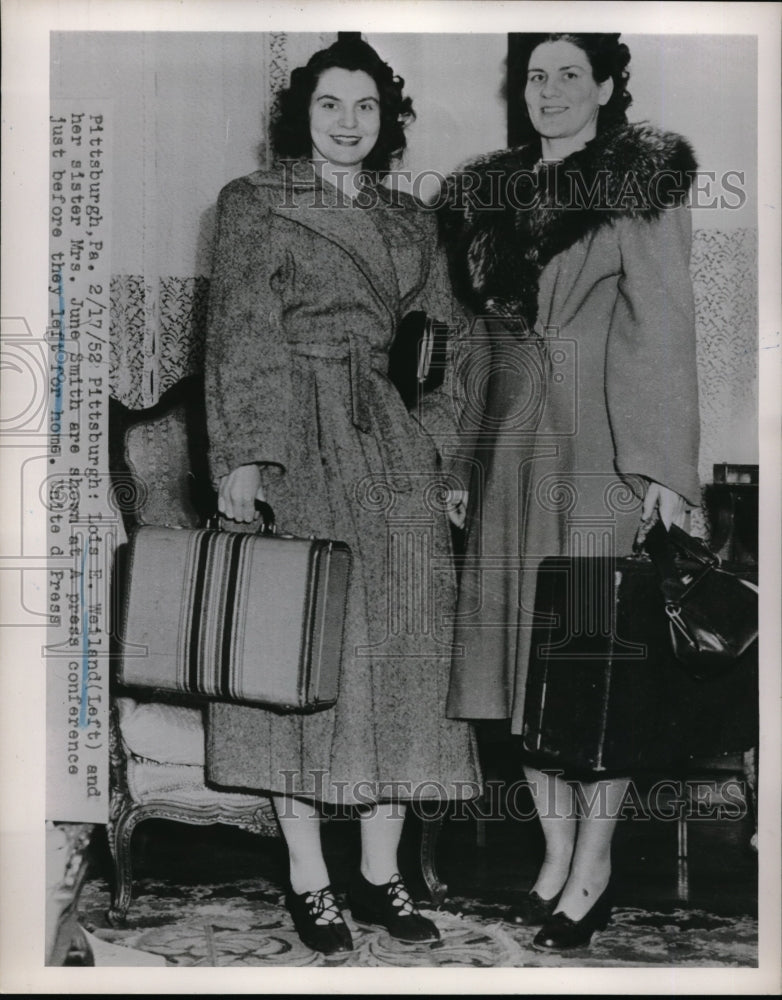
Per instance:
x=506, y=215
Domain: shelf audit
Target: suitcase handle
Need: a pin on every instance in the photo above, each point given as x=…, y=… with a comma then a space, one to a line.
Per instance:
x=266, y=526
x=268, y=522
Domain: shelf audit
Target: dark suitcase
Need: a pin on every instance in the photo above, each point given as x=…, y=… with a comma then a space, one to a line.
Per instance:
x=235, y=616
x=604, y=691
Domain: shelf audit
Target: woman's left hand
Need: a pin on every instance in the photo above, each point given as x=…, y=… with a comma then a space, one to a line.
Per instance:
x=671, y=506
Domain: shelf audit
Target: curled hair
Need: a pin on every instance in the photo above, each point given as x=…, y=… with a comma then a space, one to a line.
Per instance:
x=608, y=58
x=290, y=130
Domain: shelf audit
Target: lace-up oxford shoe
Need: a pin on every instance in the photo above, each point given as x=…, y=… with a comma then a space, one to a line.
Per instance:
x=318, y=920
x=391, y=906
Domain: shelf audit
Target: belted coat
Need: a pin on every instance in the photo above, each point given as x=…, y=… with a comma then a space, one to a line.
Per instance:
x=306, y=293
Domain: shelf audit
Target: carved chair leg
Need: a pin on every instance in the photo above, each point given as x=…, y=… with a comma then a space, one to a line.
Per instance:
x=122, y=822
x=430, y=832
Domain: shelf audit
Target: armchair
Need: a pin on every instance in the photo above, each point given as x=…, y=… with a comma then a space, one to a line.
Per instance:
x=157, y=762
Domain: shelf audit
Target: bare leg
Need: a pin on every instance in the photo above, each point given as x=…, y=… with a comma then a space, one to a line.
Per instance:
x=591, y=867
x=381, y=830
x=311, y=902
x=553, y=800
x=373, y=899
x=300, y=825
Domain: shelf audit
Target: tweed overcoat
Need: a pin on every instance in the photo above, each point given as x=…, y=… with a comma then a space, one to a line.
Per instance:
x=306, y=293
x=579, y=404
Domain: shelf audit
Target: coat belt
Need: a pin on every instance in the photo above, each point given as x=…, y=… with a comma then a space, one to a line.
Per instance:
x=359, y=355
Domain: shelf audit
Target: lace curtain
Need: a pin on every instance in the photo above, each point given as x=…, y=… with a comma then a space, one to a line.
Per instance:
x=191, y=112
x=724, y=272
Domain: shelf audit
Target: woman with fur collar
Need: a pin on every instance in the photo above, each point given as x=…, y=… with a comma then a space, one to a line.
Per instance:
x=580, y=403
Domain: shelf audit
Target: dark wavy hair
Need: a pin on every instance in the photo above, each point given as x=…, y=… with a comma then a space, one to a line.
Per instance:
x=607, y=56
x=290, y=130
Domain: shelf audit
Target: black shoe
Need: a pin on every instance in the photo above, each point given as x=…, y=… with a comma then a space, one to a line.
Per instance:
x=391, y=906
x=560, y=932
x=306, y=908
x=533, y=910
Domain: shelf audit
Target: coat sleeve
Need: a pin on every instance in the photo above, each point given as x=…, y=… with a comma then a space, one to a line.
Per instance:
x=438, y=411
x=247, y=364
x=651, y=374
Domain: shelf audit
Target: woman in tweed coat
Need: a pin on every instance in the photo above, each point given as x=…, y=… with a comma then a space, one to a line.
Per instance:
x=312, y=273
x=582, y=417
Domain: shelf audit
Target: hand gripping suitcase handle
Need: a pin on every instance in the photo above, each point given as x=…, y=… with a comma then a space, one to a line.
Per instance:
x=266, y=526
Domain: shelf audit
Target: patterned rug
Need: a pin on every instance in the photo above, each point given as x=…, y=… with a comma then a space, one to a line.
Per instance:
x=246, y=924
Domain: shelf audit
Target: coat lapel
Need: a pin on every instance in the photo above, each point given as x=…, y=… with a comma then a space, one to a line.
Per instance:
x=321, y=209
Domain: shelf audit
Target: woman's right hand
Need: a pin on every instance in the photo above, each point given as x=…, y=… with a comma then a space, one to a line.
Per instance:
x=457, y=507
x=238, y=492
x=670, y=506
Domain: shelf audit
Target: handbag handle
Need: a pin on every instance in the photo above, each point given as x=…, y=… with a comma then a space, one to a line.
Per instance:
x=266, y=526
x=662, y=546
x=696, y=548
x=658, y=544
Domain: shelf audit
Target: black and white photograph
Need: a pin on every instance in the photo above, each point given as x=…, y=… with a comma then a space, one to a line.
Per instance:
x=390, y=447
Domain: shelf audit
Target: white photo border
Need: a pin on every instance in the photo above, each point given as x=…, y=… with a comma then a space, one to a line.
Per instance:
x=25, y=89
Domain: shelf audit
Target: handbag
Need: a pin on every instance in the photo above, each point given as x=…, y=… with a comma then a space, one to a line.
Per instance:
x=235, y=616
x=417, y=356
x=713, y=614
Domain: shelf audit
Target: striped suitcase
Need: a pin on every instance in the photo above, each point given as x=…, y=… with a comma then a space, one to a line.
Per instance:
x=235, y=616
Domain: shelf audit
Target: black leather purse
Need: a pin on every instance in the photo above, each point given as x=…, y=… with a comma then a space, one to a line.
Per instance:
x=416, y=358
x=713, y=614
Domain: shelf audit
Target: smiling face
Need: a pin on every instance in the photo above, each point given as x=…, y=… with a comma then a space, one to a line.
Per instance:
x=344, y=117
x=562, y=96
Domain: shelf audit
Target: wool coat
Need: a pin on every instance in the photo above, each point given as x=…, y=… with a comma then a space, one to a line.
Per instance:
x=580, y=379
x=307, y=291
